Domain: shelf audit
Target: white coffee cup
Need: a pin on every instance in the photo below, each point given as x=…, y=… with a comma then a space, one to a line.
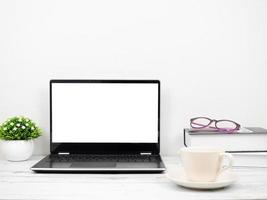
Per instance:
x=204, y=163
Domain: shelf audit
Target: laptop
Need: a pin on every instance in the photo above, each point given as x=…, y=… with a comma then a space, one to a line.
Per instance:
x=104, y=126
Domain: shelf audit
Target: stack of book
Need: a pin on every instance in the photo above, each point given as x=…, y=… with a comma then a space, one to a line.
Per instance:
x=248, y=139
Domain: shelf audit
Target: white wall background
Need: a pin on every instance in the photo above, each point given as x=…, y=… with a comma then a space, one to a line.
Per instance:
x=210, y=55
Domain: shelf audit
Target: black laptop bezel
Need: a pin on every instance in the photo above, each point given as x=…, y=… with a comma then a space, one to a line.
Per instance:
x=104, y=148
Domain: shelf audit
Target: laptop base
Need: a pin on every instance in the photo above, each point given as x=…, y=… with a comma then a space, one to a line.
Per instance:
x=101, y=164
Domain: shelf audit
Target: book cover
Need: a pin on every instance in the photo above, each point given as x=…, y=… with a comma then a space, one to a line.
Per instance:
x=247, y=139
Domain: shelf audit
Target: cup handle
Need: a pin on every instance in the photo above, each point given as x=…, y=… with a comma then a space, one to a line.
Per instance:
x=230, y=159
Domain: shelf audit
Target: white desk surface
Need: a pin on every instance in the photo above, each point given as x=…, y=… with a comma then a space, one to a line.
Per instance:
x=18, y=182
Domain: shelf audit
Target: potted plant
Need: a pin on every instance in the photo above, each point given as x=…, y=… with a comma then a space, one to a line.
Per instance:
x=17, y=134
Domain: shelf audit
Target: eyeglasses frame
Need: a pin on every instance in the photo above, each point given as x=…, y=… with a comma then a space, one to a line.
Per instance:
x=215, y=124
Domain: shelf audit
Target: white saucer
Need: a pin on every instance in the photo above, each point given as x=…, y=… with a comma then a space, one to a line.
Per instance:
x=177, y=175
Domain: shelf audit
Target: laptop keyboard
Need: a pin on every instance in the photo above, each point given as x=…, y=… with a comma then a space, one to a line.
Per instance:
x=104, y=158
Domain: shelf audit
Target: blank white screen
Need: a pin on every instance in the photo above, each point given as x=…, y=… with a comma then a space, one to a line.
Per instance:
x=105, y=112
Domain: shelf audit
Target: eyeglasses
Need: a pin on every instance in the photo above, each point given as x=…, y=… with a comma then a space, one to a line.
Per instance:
x=219, y=125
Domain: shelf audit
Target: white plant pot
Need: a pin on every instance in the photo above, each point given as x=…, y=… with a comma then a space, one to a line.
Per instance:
x=17, y=150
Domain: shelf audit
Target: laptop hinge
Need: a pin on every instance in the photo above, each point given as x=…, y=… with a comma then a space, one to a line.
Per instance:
x=145, y=153
x=63, y=153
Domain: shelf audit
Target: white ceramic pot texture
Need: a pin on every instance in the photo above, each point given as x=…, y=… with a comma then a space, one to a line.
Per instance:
x=17, y=150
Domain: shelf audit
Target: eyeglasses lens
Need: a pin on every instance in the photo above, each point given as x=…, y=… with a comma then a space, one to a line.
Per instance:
x=200, y=122
x=224, y=124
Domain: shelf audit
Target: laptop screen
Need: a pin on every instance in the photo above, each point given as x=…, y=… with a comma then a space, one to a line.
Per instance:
x=90, y=112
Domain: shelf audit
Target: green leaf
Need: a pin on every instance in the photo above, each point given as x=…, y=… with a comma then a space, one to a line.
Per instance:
x=10, y=131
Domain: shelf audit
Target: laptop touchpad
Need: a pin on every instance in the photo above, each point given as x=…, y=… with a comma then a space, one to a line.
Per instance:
x=93, y=164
